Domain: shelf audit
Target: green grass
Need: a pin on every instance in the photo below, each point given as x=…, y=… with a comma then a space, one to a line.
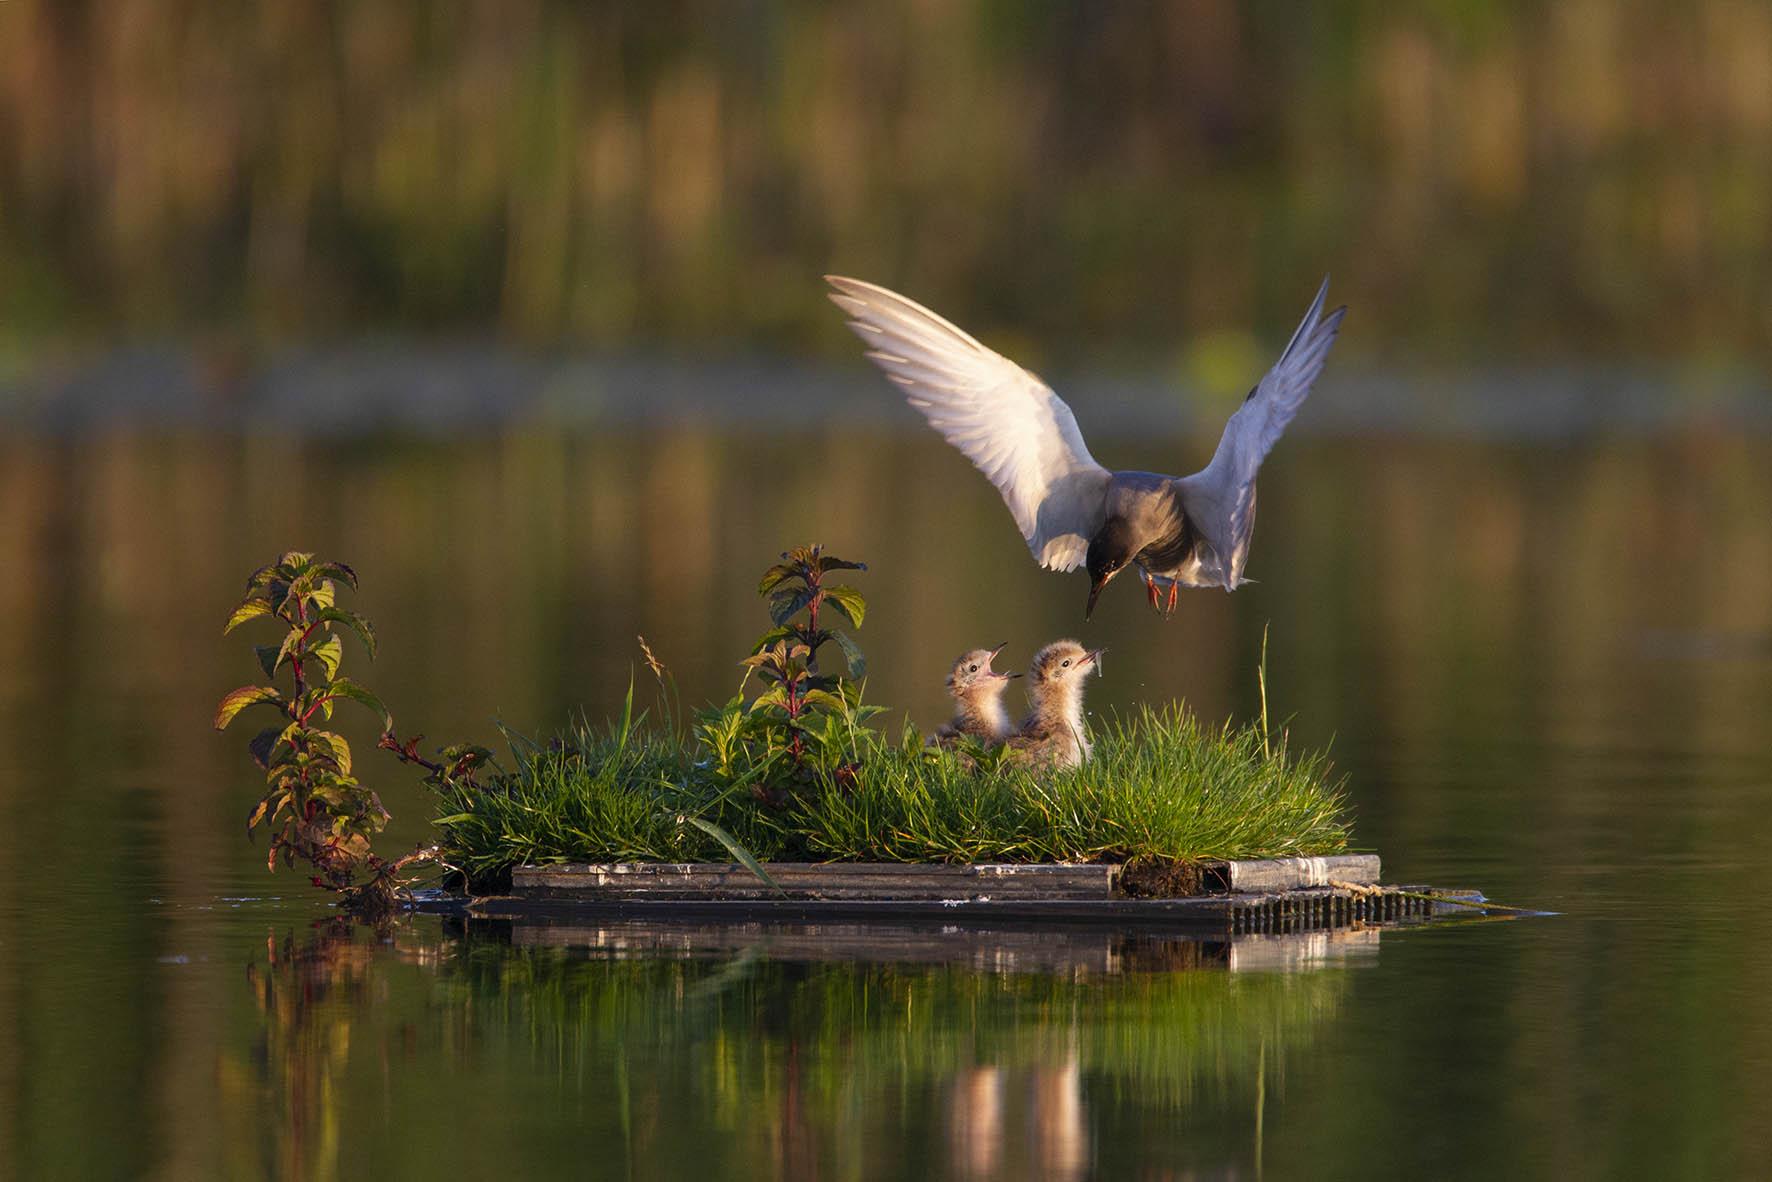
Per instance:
x=1160, y=786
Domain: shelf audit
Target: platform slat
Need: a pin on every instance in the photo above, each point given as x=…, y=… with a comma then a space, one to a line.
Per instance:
x=1289, y=874
x=799, y=880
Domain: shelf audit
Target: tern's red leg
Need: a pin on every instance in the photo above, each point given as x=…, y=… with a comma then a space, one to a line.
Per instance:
x=1173, y=589
x=1150, y=588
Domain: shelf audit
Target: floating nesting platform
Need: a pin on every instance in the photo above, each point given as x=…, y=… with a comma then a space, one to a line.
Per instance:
x=1275, y=895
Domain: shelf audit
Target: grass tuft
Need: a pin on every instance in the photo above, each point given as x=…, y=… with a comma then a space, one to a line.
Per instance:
x=1160, y=787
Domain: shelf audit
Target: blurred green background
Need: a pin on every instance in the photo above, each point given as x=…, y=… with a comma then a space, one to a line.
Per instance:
x=1486, y=181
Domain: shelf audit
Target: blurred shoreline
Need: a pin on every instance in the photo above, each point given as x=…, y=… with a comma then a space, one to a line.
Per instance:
x=444, y=391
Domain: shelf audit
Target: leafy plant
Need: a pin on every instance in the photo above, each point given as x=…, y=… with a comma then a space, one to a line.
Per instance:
x=314, y=807
x=804, y=715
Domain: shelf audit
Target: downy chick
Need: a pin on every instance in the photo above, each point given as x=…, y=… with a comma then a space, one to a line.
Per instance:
x=978, y=700
x=1053, y=732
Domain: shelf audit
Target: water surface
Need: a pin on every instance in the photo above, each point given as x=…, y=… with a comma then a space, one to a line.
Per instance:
x=1545, y=669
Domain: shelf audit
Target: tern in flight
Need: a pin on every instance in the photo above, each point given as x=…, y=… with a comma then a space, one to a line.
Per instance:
x=1179, y=531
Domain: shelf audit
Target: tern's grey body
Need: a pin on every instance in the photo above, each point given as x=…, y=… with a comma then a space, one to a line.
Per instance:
x=1187, y=531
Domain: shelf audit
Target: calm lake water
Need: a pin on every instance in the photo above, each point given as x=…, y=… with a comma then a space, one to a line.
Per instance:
x=1545, y=669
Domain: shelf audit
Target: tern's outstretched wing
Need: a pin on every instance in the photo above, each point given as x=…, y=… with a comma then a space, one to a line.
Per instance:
x=1220, y=498
x=1004, y=419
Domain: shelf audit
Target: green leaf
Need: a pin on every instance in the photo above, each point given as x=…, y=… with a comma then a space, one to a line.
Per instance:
x=783, y=604
x=771, y=637
x=847, y=600
x=825, y=564
x=824, y=698
x=339, y=571
x=261, y=578
x=287, y=648
x=257, y=814
x=251, y=608
x=334, y=745
x=240, y=699
x=353, y=621
x=295, y=563
x=344, y=687
x=776, y=695
x=267, y=655
x=744, y=857
x=774, y=576
x=263, y=744
x=329, y=652
x=852, y=656
x=324, y=595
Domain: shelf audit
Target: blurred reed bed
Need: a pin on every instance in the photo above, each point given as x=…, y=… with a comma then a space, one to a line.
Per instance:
x=1585, y=178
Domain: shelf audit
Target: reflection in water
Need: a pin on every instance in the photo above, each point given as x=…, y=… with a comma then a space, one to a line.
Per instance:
x=1045, y=1103
x=311, y=990
x=751, y=1063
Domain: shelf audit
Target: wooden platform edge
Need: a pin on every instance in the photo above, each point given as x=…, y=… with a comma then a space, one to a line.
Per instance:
x=1306, y=909
x=896, y=881
x=1285, y=874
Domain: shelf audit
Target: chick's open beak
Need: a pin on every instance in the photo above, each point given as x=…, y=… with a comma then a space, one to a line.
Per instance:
x=1001, y=676
x=1095, y=659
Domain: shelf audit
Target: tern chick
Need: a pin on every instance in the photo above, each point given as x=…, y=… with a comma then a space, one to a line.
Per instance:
x=977, y=690
x=1053, y=732
x=1189, y=531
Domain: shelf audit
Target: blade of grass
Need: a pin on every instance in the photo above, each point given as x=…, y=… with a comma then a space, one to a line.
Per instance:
x=738, y=851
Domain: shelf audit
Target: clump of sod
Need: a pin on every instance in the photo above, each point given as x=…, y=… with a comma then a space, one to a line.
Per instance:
x=1160, y=787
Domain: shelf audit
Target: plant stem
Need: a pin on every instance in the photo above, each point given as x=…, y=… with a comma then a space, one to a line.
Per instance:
x=296, y=653
x=815, y=582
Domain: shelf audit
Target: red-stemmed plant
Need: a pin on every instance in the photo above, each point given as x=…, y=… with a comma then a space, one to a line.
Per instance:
x=317, y=812
x=786, y=656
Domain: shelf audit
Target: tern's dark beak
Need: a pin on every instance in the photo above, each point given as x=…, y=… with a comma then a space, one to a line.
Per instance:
x=1095, y=593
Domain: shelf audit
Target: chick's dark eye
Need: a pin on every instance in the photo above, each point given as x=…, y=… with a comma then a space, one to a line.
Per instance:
x=1067, y=664
x=974, y=669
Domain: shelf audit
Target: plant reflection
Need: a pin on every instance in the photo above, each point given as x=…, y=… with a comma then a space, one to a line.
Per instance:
x=748, y=1064
x=311, y=992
